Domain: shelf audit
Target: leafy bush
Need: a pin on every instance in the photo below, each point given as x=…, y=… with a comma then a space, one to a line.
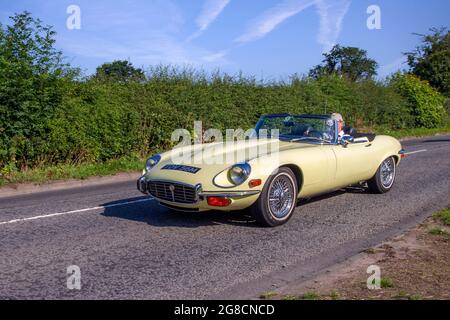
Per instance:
x=425, y=103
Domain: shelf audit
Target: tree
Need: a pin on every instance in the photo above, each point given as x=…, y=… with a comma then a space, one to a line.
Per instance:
x=119, y=71
x=430, y=60
x=31, y=70
x=349, y=62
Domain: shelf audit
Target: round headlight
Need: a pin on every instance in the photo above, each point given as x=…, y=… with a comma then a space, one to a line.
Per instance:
x=239, y=173
x=152, y=161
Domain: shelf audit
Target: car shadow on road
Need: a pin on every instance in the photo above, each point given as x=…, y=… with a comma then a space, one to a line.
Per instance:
x=353, y=189
x=152, y=213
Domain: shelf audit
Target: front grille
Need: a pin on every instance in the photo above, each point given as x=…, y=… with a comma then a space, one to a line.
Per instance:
x=173, y=192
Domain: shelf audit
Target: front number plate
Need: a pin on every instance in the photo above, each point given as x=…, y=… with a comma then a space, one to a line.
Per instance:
x=178, y=167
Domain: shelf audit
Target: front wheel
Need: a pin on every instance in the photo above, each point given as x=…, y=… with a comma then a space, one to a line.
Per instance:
x=384, y=178
x=278, y=199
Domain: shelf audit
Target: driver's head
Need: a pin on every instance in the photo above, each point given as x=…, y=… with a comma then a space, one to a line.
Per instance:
x=340, y=120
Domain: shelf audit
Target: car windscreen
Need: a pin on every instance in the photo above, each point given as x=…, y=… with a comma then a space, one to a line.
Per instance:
x=298, y=128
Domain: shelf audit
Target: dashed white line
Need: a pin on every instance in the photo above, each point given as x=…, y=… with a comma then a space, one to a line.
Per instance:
x=74, y=211
x=418, y=151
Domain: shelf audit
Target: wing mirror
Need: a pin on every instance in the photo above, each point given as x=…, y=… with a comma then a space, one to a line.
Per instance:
x=346, y=140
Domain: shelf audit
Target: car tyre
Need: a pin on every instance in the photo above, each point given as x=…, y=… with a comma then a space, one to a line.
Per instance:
x=384, y=178
x=278, y=199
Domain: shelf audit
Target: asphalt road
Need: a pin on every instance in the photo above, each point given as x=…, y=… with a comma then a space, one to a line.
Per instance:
x=128, y=247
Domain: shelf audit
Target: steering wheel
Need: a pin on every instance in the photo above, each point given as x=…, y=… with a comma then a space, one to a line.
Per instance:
x=305, y=130
x=315, y=134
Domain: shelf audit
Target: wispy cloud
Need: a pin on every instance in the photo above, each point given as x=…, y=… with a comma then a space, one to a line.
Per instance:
x=271, y=18
x=154, y=41
x=211, y=10
x=155, y=48
x=397, y=65
x=331, y=13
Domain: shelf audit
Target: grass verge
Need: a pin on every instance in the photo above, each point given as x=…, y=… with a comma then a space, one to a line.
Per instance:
x=413, y=133
x=67, y=171
x=443, y=216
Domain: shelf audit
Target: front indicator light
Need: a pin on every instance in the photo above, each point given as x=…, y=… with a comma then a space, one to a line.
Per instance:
x=254, y=183
x=218, y=201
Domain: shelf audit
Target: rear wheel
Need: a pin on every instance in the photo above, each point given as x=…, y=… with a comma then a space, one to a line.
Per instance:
x=384, y=178
x=278, y=199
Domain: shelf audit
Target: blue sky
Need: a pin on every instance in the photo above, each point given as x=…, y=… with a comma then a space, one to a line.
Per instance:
x=269, y=39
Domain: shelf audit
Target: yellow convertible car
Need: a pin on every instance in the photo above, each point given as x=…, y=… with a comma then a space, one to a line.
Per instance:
x=306, y=156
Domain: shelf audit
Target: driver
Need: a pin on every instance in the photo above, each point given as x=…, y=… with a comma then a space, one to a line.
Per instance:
x=340, y=121
x=329, y=133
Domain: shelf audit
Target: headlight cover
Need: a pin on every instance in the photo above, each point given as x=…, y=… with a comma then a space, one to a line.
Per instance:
x=152, y=161
x=238, y=173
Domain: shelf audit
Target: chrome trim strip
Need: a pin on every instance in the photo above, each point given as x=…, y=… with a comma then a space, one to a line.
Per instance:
x=230, y=194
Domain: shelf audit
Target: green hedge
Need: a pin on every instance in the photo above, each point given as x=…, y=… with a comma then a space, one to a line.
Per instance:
x=96, y=121
x=425, y=104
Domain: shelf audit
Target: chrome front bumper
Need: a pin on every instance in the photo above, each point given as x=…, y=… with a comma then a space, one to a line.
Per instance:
x=201, y=195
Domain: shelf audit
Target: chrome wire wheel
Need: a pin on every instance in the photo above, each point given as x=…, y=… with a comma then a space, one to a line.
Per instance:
x=282, y=196
x=387, y=172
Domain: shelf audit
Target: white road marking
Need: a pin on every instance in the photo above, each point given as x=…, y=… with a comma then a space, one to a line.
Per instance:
x=75, y=211
x=418, y=151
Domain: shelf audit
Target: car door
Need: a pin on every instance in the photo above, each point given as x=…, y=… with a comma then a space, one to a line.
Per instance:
x=353, y=162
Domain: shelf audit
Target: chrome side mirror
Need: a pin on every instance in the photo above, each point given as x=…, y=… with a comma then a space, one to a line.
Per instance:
x=346, y=140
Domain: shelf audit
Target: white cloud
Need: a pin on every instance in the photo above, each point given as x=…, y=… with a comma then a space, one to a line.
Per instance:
x=271, y=18
x=396, y=65
x=216, y=57
x=155, y=48
x=331, y=13
x=211, y=10
x=153, y=41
